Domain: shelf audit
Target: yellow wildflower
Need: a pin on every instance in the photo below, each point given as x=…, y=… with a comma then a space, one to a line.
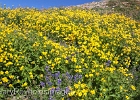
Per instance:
x=79, y=93
x=92, y=92
x=11, y=76
x=33, y=62
x=90, y=75
x=1, y=72
x=86, y=75
x=133, y=87
x=41, y=75
x=21, y=68
x=66, y=61
x=40, y=57
x=71, y=93
x=44, y=53
x=76, y=86
x=0, y=83
x=84, y=91
x=121, y=87
x=18, y=81
x=25, y=84
x=6, y=72
x=10, y=85
x=83, y=85
x=62, y=98
x=127, y=97
x=5, y=80
x=31, y=76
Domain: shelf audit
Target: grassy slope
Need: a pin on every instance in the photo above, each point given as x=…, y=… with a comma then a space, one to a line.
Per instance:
x=130, y=8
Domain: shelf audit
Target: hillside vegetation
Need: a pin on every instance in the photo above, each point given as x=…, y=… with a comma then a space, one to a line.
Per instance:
x=68, y=54
x=130, y=8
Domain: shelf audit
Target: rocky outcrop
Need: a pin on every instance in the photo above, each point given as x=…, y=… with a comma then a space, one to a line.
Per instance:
x=100, y=4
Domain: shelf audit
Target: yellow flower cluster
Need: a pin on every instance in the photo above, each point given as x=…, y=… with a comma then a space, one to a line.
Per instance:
x=81, y=90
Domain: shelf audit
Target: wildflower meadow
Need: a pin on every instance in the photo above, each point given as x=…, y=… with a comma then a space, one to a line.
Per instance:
x=68, y=54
